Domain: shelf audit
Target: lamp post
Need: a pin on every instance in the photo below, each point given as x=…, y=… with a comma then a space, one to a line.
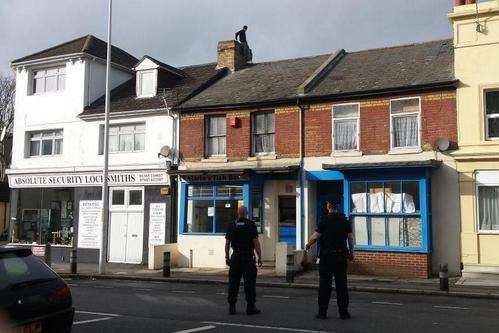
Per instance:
x=105, y=190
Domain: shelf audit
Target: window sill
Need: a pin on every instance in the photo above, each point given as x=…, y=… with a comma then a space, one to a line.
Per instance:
x=260, y=157
x=215, y=159
x=401, y=151
x=346, y=153
x=488, y=232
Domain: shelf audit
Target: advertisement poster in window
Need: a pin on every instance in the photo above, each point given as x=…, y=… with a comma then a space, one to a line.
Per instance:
x=157, y=221
x=90, y=224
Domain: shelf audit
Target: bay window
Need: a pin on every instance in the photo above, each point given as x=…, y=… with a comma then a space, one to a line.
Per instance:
x=44, y=143
x=492, y=114
x=404, y=122
x=49, y=80
x=346, y=127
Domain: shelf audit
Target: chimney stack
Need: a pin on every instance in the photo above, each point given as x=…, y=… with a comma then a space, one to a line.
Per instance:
x=460, y=2
x=230, y=55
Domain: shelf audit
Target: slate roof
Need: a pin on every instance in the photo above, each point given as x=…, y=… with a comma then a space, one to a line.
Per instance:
x=87, y=44
x=123, y=97
x=359, y=72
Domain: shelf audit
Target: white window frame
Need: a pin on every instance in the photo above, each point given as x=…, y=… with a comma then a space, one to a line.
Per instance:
x=418, y=113
x=484, y=183
x=207, y=136
x=140, y=75
x=253, y=134
x=487, y=117
x=118, y=151
x=53, y=138
x=35, y=72
x=357, y=149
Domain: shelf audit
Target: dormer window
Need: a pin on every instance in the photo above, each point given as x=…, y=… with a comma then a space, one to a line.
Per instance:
x=49, y=79
x=147, y=83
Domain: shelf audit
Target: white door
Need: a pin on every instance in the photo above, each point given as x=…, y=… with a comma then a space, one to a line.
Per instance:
x=126, y=210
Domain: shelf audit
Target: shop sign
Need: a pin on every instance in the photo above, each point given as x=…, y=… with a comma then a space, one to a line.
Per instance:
x=215, y=178
x=90, y=224
x=89, y=179
x=157, y=221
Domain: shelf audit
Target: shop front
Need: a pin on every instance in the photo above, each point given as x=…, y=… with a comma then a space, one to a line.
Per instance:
x=208, y=203
x=64, y=209
x=389, y=209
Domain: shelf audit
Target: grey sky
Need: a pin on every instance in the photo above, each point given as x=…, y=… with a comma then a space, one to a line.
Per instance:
x=183, y=32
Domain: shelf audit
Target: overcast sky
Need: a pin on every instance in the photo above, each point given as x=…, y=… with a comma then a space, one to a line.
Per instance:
x=183, y=32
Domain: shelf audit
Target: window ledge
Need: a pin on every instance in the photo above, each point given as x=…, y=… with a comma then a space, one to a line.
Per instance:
x=221, y=159
x=401, y=151
x=259, y=157
x=346, y=153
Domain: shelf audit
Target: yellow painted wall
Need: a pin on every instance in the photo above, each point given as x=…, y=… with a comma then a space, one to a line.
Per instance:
x=477, y=69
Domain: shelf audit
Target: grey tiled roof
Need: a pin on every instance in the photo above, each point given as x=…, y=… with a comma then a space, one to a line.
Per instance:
x=403, y=66
x=87, y=44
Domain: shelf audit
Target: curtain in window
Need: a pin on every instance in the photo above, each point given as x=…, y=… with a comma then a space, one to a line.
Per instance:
x=405, y=131
x=345, y=134
x=488, y=205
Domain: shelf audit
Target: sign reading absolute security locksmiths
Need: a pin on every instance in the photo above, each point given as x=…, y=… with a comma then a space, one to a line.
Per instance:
x=157, y=220
x=90, y=224
x=89, y=179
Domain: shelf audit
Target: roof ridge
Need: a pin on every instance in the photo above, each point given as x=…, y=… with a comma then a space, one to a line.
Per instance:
x=197, y=65
x=51, y=48
x=401, y=45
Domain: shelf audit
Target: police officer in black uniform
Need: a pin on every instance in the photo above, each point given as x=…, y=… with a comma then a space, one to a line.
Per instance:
x=334, y=232
x=242, y=236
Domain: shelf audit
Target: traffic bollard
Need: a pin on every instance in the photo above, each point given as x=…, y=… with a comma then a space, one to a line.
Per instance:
x=444, y=277
x=48, y=254
x=290, y=268
x=72, y=261
x=166, y=264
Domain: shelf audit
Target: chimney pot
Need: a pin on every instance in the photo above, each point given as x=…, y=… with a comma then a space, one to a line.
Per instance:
x=460, y=2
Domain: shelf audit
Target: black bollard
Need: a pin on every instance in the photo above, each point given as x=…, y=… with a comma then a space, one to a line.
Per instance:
x=72, y=261
x=166, y=264
x=444, y=277
x=290, y=268
x=48, y=254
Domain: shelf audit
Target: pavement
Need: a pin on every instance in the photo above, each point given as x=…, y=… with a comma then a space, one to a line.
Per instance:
x=150, y=306
x=268, y=278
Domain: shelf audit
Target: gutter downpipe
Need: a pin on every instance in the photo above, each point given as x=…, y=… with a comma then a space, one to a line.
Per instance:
x=301, y=176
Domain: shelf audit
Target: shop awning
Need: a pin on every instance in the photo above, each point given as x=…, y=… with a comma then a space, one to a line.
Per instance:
x=384, y=165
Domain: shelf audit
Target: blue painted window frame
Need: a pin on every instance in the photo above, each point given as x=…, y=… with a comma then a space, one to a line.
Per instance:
x=423, y=213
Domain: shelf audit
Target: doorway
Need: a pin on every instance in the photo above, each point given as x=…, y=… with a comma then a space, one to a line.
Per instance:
x=287, y=219
x=126, y=225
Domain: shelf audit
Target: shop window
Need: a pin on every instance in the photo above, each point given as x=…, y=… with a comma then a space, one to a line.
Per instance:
x=44, y=143
x=346, y=127
x=49, y=80
x=488, y=208
x=215, y=130
x=127, y=138
x=492, y=114
x=386, y=214
x=263, y=130
x=405, y=114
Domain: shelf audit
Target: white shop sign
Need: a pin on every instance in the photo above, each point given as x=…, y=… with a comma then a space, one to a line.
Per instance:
x=89, y=179
x=157, y=221
x=90, y=224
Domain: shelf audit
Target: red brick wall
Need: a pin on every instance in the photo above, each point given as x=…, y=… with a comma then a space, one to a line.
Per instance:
x=287, y=132
x=191, y=136
x=390, y=264
x=238, y=140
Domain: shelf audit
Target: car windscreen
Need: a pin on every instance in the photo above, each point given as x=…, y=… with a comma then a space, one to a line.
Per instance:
x=18, y=269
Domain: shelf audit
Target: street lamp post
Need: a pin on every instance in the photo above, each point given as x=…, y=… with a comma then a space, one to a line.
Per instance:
x=105, y=191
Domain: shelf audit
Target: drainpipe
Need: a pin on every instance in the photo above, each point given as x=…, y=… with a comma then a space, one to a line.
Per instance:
x=301, y=175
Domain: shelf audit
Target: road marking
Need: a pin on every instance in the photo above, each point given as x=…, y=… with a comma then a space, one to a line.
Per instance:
x=387, y=303
x=222, y=294
x=143, y=289
x=184, y=291
x=91, y=320
x=450, y=307
x=199, y=329
x=103, y=287
x=276, y=296
x=99, y=313
x=72, y=285
x=276, y=328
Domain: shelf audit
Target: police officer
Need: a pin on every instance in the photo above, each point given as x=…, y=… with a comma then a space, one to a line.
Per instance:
x=242, y=236
x=333, y=233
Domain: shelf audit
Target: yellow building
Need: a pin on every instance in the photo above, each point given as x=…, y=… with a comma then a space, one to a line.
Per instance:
x=476, y=42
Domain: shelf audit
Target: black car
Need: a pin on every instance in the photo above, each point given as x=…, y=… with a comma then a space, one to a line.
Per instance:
x=33, y=298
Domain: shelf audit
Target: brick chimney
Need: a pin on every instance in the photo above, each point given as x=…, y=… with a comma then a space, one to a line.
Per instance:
x=230, y=55
x=464, y=2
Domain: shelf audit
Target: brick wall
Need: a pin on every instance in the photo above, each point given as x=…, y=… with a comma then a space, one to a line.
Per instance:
x=287, y=132
x=238, y=141
x=390, y=264
x=191, y=136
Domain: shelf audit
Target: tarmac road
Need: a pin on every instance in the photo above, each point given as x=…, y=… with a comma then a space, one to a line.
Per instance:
x=127, y=306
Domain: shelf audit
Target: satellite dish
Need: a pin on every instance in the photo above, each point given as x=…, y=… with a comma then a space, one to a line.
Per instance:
x=165, y=151
x=2, y=136
x=442, y=144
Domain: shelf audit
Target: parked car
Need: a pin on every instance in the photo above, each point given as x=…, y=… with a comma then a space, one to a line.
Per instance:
x=33, y=298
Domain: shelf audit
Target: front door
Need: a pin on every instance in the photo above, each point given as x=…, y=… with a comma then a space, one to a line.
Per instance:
x=126, y=224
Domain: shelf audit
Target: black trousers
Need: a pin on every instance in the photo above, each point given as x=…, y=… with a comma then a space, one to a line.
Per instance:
x=328, y=266
x=245, y=267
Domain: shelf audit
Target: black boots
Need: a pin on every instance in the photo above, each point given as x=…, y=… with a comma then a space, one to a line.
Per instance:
x=344, y=315
x=252, y=310
x=322, y=314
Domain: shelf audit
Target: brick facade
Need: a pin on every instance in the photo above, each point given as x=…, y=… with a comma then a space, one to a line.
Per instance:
x=391, y=264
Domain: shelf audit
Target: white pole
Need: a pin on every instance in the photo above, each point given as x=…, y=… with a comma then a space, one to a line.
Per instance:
x=105, y=192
